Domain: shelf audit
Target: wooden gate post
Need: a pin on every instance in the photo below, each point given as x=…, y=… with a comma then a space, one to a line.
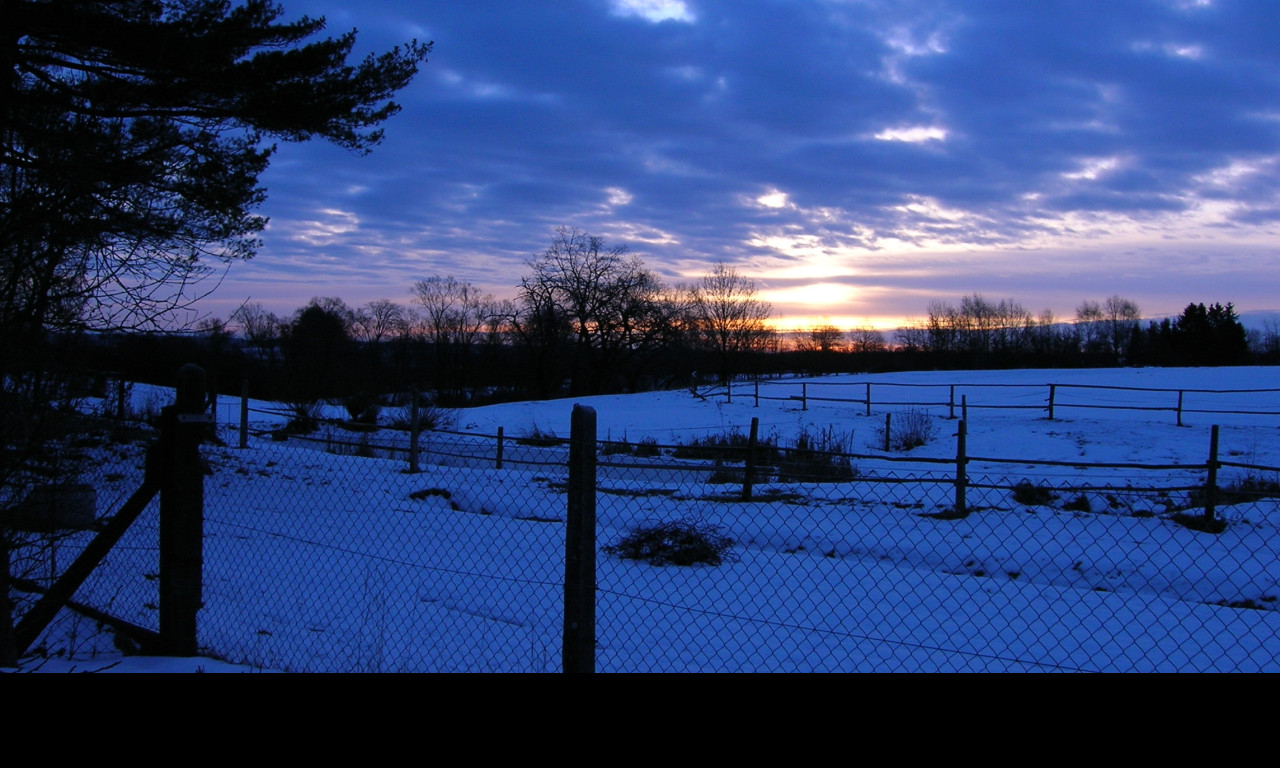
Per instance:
x=578, y=651
x=183, y=424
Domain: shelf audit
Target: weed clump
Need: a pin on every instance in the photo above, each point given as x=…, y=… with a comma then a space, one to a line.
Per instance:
x=1031, y=495
x=674, y=542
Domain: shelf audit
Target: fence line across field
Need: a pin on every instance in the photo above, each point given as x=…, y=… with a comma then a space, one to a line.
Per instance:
x=1050, y=405
x=423, y=445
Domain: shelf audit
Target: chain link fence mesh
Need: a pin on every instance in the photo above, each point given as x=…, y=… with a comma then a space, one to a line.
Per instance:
x=326, y=553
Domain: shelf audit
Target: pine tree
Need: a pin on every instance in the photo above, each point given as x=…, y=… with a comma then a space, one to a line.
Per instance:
x=133, y=134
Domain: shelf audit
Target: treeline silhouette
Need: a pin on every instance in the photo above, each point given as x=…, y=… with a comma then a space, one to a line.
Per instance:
x=589, y=318
x=323, y=352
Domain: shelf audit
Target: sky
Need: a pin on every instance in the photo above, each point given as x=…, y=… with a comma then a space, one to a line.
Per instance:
x=320, y=562
x=857, y=159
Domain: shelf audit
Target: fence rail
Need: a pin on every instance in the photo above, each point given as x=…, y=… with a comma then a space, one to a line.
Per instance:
x=958, y=397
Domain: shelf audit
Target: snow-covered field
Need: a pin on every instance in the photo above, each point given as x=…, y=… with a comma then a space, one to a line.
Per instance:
x=326, y=562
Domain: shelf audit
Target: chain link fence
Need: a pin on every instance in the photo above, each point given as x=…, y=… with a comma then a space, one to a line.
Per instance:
x=327, y=553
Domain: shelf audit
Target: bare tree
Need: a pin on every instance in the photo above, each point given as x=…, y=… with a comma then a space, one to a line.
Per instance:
x=867, y=339
x=727, y=316
x=824, y=338
x=615, y=312
x=455, y=317
x=260, y=327
x=379, y=319
x=1121, y=317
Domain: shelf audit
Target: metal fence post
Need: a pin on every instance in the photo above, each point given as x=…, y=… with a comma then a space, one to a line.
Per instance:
x=182, y=513
x=578, y=652
x=962, y=480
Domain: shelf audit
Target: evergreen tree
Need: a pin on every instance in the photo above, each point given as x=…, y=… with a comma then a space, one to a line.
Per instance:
x=132, y=135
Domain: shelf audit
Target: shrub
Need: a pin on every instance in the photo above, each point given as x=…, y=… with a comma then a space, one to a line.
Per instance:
x=305, y=418
x=537, y=438
x=1078, y=504
x=908, y=429
x=1025, y=492
x=816, y=458
x=674, y=542
x=730, y=446
x=430, y=416
x=363, y=408
x=648, y=448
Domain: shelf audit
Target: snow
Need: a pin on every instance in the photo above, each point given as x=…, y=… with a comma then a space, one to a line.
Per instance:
x=324, y=562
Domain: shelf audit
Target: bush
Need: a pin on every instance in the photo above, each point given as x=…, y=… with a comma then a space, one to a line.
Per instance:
x=674, y=542
x=731, y=446
x=430, y=416
x=817, y=458
x=305, y=418
x=537, y=438
x=363, y=408
x=1032, y=495
x=908, y=429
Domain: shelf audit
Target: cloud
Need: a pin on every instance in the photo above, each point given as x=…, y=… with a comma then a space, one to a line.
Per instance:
x=823, y=136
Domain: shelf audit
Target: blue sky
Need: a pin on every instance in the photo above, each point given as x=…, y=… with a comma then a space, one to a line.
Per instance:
x=857, y=158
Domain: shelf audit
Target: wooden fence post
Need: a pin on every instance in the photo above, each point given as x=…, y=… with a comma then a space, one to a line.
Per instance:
x=1180, y=408
x=121, y=409
x=749, y=465
x=887, y=427
x=244, y=413
x=964, y=408
x=728, y=391
x=962, y=480
x=1052, y=392
x=578, y=651
x=951, y=403
x=1211, y=481
x=500, y=447
x=868, y=411
x=415, y=432
x=757, y=405
x=182, y=513
x=804, y=396
x=8, y=645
